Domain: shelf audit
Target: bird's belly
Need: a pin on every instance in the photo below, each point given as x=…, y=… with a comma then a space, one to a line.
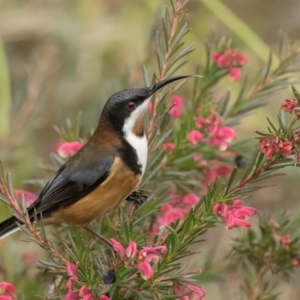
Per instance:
x=106, y=197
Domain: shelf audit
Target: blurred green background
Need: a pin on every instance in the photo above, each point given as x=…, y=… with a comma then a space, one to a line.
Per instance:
x=59, y=57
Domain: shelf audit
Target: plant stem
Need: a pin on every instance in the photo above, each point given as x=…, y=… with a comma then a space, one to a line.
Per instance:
x=163, y=71
x=29, y=225
x=266, y=165
x=256, y=284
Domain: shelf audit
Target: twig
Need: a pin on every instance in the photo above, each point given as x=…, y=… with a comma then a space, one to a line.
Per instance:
x=253, y=176
x=26, y=221
x=162, y=75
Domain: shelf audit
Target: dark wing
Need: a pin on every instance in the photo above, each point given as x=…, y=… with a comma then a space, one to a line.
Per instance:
x=74, y=180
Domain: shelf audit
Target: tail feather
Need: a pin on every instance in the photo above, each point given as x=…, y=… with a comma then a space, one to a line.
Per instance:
x=8, y=227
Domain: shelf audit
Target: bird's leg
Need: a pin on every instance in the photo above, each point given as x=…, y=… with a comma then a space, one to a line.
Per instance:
x=97, y=234
x=138, y=197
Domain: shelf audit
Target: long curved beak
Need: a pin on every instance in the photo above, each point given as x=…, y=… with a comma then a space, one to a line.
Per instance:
x=155, y=87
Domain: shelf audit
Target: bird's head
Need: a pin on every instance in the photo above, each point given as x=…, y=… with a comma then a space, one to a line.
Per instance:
x=125, y=110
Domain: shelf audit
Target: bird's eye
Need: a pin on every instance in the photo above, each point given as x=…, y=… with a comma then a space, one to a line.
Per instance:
x=131, y=105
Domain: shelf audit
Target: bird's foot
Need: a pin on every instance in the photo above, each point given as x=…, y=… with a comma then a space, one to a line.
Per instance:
x=138, y=197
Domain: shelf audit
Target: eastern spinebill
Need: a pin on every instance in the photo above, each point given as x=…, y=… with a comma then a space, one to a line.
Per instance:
x=105, y=171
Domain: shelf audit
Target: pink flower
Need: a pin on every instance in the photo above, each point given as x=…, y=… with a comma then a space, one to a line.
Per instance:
x=29, y=197
x=7, y=289
x=242, y=59
x=190, y=199
x=177, y=100
x=221, y=137
x=70, y=281
x=104, y=297
x=175, y=112
x=71, y=269
x=271, y=146
x=67, y=149
x=289, y=104
x=235, y=74
x=2, y=297
x=146, y=269
x=235, y=214
x=296, y=262
x=215, y=55
x=267, y=146
x=84, y=290
x=72, y=296
x=169, y=215
x=223, y=62
x=169, y=147
x=131, y=250
x=224, y=170
x=195, y=137
x=85, y=293
x=118, y=247
x=193, y=292
x=151, y=254
x=200, y=122
x=231, y=60
x=285, y=147
x=226, y=133
x=285, y=240
x=211, y=176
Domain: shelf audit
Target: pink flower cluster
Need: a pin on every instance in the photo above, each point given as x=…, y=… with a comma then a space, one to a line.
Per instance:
x=169, y=147
x=67, y=149
x=177, y=105
x=7, y=291
x=211, y=170
x=84, y=292
x=193, y=292
x=140, y=259
x=211, y=127
x=176, y=109
x=272, y=146
x=285, y=241
x=177, y=208
x=210, y=173
x=291, y=106
x=235, y=214
x=232, y=60
x=195, y=137
x=71, y=271
x=218, y=135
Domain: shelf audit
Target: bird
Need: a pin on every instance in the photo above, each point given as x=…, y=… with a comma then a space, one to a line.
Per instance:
x=105, y=171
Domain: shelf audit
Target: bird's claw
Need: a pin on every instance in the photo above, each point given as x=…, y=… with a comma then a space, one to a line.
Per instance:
x=138, y=197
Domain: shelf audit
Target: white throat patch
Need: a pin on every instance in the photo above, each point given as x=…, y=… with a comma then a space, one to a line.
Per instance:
x=140, y=144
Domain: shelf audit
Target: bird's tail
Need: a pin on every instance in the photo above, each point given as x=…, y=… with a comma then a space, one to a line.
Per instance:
x=8, y=227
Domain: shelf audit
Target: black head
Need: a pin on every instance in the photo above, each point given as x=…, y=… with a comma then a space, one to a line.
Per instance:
x=131, y=102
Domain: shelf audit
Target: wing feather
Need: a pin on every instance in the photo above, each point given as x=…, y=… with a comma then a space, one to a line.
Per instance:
x=71, y=183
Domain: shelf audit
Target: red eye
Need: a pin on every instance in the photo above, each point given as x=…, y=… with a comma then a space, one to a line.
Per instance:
x=131, y=105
